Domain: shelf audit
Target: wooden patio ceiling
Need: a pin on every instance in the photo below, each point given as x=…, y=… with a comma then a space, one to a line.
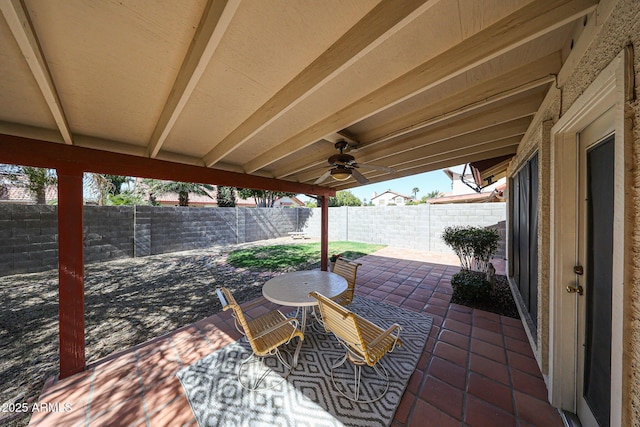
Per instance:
x=266, y=87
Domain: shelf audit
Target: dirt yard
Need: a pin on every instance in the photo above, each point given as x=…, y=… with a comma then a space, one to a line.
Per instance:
x=139, y=298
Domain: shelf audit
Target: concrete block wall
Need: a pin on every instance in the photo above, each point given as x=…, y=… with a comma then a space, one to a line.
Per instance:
x=312, y=224
x=29, y=238
x=266, y=223
x=476, y=214
x=412, y=227
x=30, y=232
x=108, y=233
x=142, y=230
x=179, y=228
x=401, y=226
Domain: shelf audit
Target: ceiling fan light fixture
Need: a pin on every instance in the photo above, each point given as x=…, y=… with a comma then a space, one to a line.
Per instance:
x=340, y=173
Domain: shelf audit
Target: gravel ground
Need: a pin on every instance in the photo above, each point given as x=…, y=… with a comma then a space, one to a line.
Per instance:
x=141, y=298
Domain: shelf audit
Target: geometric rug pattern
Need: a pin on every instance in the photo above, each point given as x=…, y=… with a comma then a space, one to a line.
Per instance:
x=307, y=397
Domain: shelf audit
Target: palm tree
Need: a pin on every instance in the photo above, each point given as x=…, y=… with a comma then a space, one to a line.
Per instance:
x=433, y=194
x=182, y=188
x=415, y=191
x=117, y=182
x=99, y=185
x=226, y=196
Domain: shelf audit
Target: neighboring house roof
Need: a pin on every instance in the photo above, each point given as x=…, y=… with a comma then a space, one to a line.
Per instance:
x=171, y=199
x=497, y=195
x=200, y=200
x=288, y=201
x=392, y=194
x=17, y=192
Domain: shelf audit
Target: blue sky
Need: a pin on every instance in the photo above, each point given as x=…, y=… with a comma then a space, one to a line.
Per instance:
x=426, y=182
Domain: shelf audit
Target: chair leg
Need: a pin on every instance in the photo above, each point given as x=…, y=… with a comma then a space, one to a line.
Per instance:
x=357, y=372
x=373, y=396
x=245, y=370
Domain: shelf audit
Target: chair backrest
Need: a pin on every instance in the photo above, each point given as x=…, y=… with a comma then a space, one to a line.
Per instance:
x=347, y=269
x=229, y=302
x=342, y=323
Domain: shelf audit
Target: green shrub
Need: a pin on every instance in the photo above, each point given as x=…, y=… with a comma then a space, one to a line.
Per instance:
x=474, y=245
x=470, y=286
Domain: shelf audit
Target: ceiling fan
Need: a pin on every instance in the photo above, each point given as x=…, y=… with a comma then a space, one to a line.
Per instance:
x=344, y=166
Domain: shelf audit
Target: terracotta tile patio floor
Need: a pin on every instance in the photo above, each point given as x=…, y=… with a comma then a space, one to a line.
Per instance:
x=477, y=368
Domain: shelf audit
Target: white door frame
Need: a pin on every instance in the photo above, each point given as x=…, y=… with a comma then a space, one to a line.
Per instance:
x=607, y=91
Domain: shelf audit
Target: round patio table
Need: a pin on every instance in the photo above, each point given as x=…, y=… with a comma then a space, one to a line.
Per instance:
x=292, y=289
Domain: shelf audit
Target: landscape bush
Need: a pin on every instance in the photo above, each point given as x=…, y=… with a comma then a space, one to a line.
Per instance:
x=474, y=246
x=471, y=286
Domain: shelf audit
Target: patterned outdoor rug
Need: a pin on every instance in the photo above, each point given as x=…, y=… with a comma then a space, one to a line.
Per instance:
x=307, y=397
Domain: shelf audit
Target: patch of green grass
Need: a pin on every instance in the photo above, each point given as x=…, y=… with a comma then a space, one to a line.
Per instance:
x=287, y=257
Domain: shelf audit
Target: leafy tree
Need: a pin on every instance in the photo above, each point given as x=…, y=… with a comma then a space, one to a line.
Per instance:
x=415, y=191
x=181, y=188
x=117, y=181
x=125, y=198
x=433, y=194
x=226, y=197
x=344, y=198
x=311, y=204
x=263, y=198
x=38, y=179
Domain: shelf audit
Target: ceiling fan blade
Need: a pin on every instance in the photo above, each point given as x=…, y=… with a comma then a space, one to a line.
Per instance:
x=359, y=177
x=323, y=177
x=379, y=168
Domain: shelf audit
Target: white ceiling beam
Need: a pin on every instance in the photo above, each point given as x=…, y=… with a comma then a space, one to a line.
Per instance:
x=406, y=126
x=338, y=136
x=421, y=158
x=215, y=20
x=501, y=114
x=508, y=84
x=21, y=27
x=443, y=139
x=32, y=132
x=384, y=20
x=532, y=21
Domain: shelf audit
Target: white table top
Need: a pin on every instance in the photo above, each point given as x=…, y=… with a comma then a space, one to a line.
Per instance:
x=292, y=289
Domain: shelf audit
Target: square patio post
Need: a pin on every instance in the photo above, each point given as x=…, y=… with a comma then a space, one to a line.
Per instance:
x=324, y=232
x=70, y=271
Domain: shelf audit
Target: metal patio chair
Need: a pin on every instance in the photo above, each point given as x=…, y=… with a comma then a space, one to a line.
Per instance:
x=349, y=270
x=365, y=344
x=265, y=333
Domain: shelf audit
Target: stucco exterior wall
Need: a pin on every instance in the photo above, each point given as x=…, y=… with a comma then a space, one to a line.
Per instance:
x=621, y=28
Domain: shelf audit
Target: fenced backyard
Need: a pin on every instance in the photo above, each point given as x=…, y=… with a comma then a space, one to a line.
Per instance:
x=140, y=282
x=127, y=302
x=29, y=232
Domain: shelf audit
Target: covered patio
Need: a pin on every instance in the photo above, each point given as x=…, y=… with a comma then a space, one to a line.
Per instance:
x=313, y=98
x=477, y=367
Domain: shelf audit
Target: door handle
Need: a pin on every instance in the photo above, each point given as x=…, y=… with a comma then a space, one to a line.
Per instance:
x=575, y=290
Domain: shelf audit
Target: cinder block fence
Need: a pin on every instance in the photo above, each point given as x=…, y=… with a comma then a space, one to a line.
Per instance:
x=30, y=240
x=412, y=227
